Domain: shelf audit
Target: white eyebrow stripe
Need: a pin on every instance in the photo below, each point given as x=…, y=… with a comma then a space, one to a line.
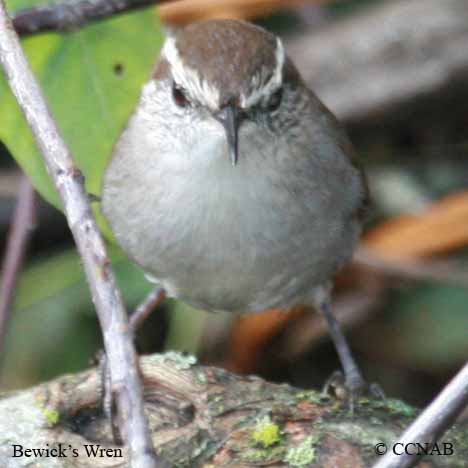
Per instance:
x=188, y=78
x=259, y=90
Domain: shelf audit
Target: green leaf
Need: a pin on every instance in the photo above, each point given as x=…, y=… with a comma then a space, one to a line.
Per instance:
x=49, y=277
x=92, y=79
x=53, y=310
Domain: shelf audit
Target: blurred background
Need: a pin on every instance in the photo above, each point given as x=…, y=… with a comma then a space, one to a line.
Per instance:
x=395, y=73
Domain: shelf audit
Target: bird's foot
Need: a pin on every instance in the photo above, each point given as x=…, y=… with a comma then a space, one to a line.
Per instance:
x=350, y=388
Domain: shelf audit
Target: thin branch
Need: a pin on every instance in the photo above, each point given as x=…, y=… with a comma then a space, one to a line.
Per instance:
x=367, y=65
x=142, y=312
x=126, y=384
x=22, y=224
x=432, y=422
x=69, y=16
x=10, y=181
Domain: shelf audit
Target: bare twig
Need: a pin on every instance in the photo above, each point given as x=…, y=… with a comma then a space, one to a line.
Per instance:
x=18, y=239
x=68, y=16
x=126, y=384
x=432, y=422
x=10, y=181
x=366, y=65
x=141, y=313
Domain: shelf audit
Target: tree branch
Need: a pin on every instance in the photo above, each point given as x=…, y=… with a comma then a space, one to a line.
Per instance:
x=126, y=385
x=432, y=423
x=204, y=416
x=69, y=16
x=395, y=54
x=22, y=224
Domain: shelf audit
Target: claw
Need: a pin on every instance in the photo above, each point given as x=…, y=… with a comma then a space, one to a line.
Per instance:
x=350, y=389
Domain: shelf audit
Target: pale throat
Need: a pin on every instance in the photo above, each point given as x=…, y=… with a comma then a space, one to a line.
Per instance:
x=263, y=84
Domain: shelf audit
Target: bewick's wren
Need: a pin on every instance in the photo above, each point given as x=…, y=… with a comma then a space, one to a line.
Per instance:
x=232, y=184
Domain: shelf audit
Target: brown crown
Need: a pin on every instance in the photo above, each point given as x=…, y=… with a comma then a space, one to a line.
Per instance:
x=227, y=54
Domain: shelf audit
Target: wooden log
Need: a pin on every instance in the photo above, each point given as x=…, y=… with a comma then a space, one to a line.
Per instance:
x=206, y=417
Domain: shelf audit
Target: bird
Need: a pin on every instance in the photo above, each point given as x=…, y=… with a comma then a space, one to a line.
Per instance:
x=232, y=185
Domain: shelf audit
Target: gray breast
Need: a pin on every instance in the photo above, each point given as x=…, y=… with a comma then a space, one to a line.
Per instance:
x=259, y=235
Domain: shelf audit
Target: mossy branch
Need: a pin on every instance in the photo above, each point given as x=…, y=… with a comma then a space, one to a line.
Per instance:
x=207, y=417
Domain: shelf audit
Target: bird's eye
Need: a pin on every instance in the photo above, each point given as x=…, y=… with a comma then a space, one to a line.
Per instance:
x=179, y=96
x=275, y=100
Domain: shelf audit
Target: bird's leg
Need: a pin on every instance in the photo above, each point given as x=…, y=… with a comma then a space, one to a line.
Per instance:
x=353, y=379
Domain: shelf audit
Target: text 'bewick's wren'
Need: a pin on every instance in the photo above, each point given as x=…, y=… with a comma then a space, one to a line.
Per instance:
x=232, y=185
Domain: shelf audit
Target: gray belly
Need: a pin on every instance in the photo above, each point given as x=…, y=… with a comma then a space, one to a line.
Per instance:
x=225, y=249
x=260, y=235
x=265, y=266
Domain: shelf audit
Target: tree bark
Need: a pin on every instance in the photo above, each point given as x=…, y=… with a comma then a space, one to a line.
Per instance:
x=207, y=417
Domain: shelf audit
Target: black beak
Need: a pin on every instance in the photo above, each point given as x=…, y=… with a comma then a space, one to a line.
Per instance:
x=230, y=118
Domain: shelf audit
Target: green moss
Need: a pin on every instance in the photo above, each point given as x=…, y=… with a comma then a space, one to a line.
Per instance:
x=266, y=433
x=198, y=450
x=360, y=433
x=52, y=416
x=391, y=405
x=180, y=361
x=303, y=454
x=201, y=378
x=399, y=407
x=312, y=396
x=265, y=455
